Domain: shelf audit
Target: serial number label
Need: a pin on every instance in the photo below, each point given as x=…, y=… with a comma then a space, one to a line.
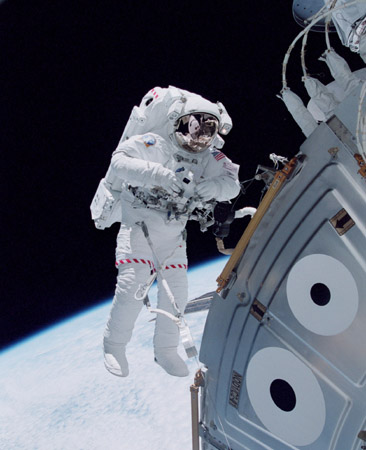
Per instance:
x=236, y=381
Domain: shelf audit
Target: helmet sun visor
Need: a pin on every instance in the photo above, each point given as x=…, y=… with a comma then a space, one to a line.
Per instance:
x=196, y=132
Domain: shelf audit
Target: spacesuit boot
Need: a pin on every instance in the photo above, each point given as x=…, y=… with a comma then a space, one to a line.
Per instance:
x=166, y=337
x=115, y=360
x=171, y=362
x=124, y=312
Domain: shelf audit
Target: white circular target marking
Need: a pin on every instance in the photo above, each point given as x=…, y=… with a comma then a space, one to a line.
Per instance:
x=286, y=396
x=322, y=294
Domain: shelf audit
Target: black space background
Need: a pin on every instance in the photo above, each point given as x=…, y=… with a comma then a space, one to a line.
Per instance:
x=71, y=71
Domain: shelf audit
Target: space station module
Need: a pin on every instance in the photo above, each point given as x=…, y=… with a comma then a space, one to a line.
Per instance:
x=348, y=19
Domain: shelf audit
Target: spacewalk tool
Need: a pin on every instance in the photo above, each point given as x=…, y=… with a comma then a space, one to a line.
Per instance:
x=283, y=345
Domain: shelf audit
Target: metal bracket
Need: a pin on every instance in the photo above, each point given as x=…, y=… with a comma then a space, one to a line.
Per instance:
x=333, y=151
x=211, y=440
x=198, y=382
x=258, y=310
x=342, y=222
x=343, y=134
x=361, y=162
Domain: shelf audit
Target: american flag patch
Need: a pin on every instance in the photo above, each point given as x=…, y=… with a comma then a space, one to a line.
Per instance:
x=218, y=155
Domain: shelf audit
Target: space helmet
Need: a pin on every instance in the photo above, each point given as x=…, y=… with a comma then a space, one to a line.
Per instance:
x=197, y=124
x=196, y=132
x=189, y=121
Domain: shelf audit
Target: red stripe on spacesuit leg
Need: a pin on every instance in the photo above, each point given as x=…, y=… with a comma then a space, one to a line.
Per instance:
x=136, y=261
x=150, y=263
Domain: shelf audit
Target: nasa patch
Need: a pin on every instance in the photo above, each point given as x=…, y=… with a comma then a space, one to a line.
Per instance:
x=148, y=140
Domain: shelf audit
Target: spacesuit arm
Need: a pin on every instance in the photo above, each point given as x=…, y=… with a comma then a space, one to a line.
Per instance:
x=220, y=180
x=228, y=187
x=220, y=188
x=130, y=165
x=134, y=170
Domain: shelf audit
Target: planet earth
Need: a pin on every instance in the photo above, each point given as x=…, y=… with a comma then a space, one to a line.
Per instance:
x=56, y=394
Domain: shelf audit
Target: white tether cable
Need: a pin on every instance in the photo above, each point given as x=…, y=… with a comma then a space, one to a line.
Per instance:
x=178, y=318
x=303, y=32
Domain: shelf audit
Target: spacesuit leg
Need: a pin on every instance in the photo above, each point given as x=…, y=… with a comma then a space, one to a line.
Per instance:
x=166, y=337
x=123, y=315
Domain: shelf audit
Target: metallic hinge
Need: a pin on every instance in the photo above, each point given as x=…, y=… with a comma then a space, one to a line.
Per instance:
x=258, y=310
x=230, y=282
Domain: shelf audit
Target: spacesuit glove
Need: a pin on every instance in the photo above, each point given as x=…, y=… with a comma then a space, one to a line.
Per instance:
x=207, y=189
x=166, y=179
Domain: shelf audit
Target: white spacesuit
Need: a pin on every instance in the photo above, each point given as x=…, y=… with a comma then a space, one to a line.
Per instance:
x=165, y=174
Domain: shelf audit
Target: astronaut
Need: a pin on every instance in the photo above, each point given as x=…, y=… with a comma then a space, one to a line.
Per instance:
x=163, y=173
